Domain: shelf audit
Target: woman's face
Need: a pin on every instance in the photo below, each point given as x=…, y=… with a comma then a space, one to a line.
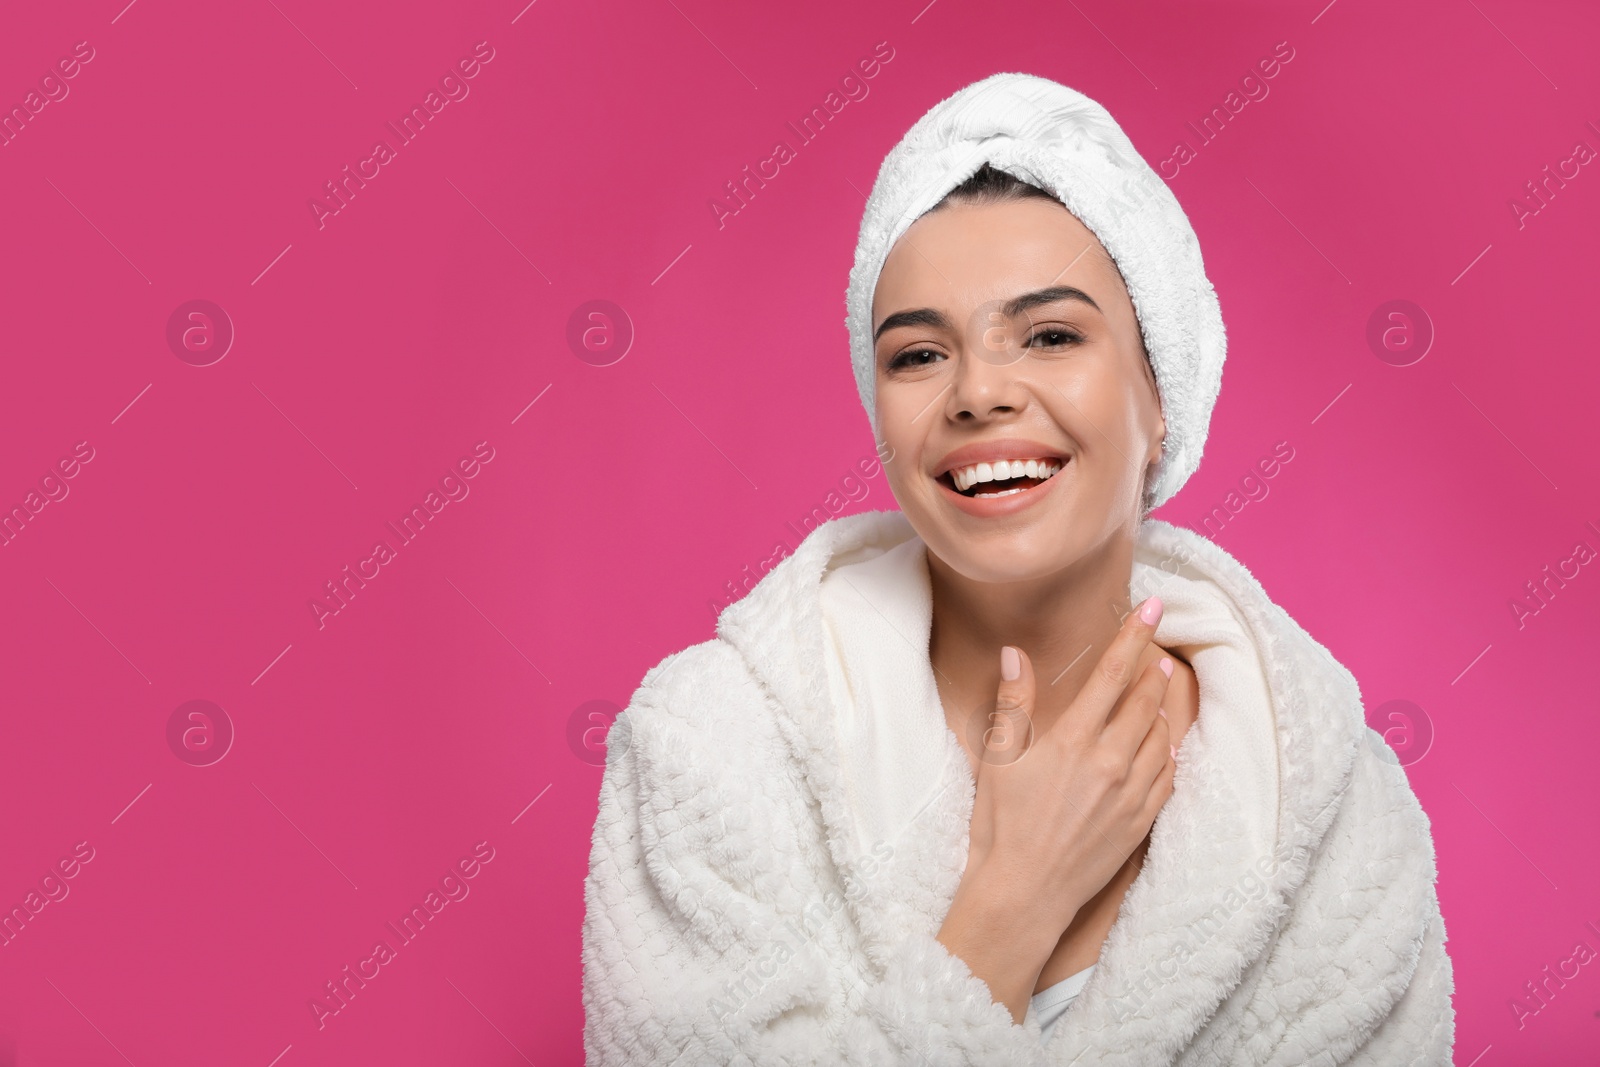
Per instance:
x=1007, y=350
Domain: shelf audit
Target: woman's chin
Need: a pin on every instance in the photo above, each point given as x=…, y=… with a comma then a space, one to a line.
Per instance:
x=1005, y=557
x=1012, y=576
x=1031, y=544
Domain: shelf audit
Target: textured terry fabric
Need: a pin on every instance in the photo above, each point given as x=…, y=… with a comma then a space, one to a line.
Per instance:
x=737, y=913
x=1062, y=141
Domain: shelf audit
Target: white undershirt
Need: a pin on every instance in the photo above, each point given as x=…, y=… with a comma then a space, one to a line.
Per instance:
x=1049, y=1005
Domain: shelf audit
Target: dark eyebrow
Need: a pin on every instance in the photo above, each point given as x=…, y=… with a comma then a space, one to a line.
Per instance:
x=1017, y=305
x=1041, y=297
x=919, y=317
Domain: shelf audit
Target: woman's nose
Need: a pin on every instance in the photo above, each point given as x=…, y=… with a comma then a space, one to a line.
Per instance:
x=983, y=389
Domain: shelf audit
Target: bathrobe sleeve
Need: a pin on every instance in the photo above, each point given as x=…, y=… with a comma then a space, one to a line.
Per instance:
x=1420, y=1029
x=715, y=929
x=1360, y=975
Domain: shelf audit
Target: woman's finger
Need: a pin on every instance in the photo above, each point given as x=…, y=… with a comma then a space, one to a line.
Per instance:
x=1009, y=730
x=1116, y=668
x=1138, y=708
x=1153, y=755
x=1161, y=788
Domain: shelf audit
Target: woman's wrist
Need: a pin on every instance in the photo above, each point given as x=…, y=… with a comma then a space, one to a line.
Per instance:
x=999, y=929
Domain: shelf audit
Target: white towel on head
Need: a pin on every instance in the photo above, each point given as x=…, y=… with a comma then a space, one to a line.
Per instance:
x=1062, y=141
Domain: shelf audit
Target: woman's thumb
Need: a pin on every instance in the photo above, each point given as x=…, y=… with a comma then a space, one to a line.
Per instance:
x=1010, y=728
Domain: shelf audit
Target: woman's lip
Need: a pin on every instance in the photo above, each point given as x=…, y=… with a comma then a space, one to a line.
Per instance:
x=990, y=451
x=992, y=507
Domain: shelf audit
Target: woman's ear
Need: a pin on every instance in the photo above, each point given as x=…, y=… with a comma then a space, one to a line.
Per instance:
x=1159, y=441
x=1157, y=445
x=1158, y=436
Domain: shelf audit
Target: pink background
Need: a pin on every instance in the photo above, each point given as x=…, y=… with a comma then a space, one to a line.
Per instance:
x=373, y=353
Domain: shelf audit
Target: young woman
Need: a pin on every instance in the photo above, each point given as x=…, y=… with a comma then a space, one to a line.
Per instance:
x=949, y=772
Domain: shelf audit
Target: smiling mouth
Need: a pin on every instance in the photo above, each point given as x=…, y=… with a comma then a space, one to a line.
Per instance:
x=1003, y=478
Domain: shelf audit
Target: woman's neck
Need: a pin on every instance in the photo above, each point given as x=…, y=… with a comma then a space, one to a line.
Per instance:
x=1063, y=622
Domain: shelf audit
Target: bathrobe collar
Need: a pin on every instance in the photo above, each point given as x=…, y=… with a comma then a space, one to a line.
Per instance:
x=1225, y=858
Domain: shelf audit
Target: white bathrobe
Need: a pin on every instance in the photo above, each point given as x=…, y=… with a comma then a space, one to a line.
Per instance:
x=783, y=823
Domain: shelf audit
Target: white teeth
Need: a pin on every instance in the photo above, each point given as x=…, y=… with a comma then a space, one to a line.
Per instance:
x=965, y=478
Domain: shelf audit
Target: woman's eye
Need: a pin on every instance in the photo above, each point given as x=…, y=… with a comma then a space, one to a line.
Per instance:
x=1053, y=338
x=914, y=357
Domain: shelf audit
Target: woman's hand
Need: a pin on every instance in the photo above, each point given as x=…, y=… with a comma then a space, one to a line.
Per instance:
x=1050, y=828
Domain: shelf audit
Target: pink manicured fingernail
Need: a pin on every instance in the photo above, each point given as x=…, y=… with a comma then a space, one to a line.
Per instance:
x=1161, y=712
x=1150, y=612
x=1010, y=664
x=1174, y=750
x=1166, y=666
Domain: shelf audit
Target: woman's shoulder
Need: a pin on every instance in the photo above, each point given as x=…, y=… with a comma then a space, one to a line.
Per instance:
x=697, y=770
x=1165, y=551
x=1380, y=794
x=703, y=701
